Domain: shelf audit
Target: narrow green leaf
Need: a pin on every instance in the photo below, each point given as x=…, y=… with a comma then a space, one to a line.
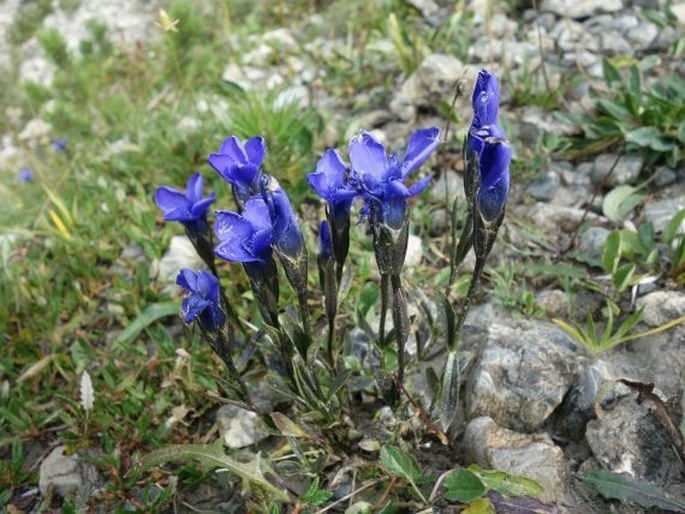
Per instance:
x=144, y=320
x=672, y=228
x=213, y=457
x=611, y=74
x=619, y=487
x=623, y=275
x=315, y=496
x=400, y=463
x=463, y=486
x=612, y=251
x=507, y=484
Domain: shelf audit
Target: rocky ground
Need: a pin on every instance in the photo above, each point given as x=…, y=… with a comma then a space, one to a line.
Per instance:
x=535, y=403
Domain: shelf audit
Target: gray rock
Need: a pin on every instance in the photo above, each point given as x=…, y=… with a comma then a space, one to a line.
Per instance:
x=427, y=8
x=556, y=219
x=239, y=427
x=181, y=254
x=642, y=36
x=664, y=176
x=414, y=251
x=534, y=456
x=578, y=406
x=543, y=187
x=572, y=36
x=661, y=212
x=440, y=222
x=448, y=185
x=522, y=374
x=433, y=81
x=580, y=8
x=628, y=438
x=625, y=172
x=661, y=307
x=612, y=42
x=35, y=131
x=554, y=303
x=66, y=474
x=593, y=239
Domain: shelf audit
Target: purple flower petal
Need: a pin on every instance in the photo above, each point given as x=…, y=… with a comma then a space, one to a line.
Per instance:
x=194, y=188
x=169, y=199
x=233, y=148
x=231, y=227
x=257, y=213
x=187, y=279
x=368, y=156
x=255, y=148
x=199, y=209
x=485, y=99
x=419, y=186
x=192, y=306
x=494, y=162
x=421, y=145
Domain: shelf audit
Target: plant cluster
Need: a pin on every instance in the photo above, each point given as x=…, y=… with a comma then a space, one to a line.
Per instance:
x=263, y=229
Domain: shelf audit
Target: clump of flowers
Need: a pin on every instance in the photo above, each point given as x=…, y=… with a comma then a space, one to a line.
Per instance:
x=264, y=229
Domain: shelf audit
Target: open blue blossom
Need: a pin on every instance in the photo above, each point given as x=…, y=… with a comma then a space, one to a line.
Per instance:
x=245, y=237
x=187, y=207
x=203, y=303
x=25, y=175
x=239, y=164
x=381, y=178
x=287, y=236
x=329, y=183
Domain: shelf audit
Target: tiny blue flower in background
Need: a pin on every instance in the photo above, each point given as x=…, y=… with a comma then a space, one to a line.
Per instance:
x=329, y=183
x=245, y=237
x=203, y=303
x=25, y=175
x=239, y=164
x=287, y=236
x=60, y=144
x=187, y=207
x=381, y=178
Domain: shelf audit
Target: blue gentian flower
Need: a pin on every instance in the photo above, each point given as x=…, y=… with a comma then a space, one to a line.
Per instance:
x=485, y=100
x=325, y=241
x=187, y=207
x=329, y=183
x=60, y=144
x=245, y=237
x=25, y=175
x=287, y=236
x=381, y=178
x=493, y=171
x=239, y=164
x=203, y=303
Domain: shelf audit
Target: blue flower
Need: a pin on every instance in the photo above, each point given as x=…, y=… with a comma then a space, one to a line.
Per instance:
x=325, y=241
x=487, y=152
x=329, y=183
x=203, y=303
x=381, y=178
x=245, y=237
x=485, y=100
x=493, y=172
x=287, y=236
x=239, y=164
x=60, y=144
x=25, y=175
x=188, y=207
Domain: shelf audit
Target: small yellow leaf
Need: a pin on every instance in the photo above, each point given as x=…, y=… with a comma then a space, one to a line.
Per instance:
x=61, y=227
x=165, y=22
x=35, y=368
x=480, y=506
